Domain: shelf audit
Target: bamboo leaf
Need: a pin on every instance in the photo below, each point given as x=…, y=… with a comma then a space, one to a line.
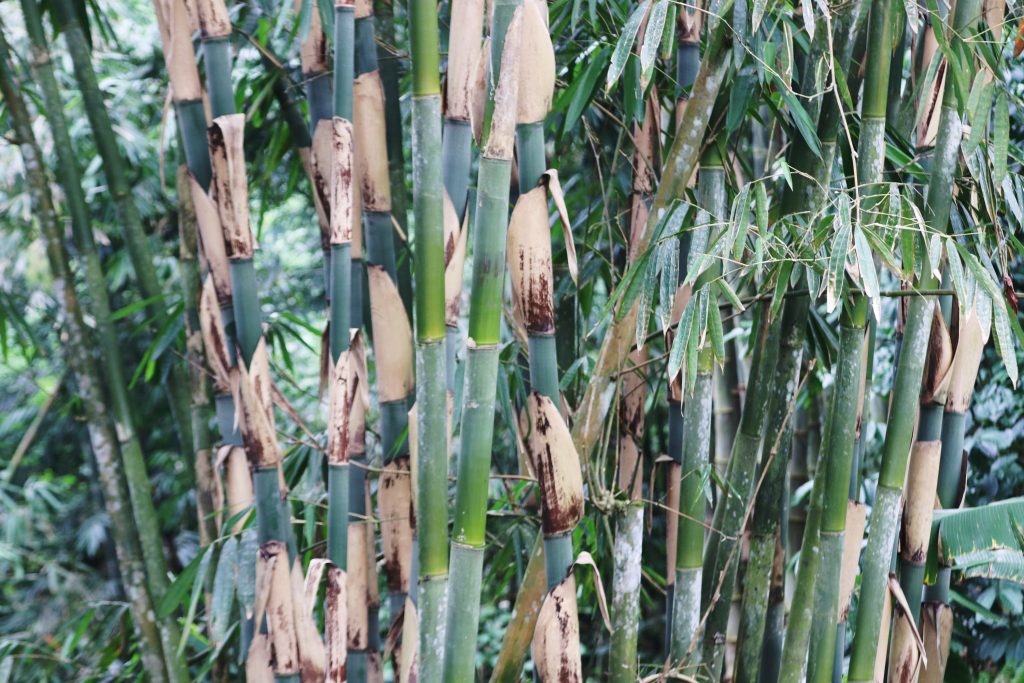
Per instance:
x=956, y=274
x=757, y=15
x=729, y=293
x=978, y=115
x=781, y=285
x=807, y=9
x=693, y=342
x=1000, y=139
x=761, y=208
x=652, y=40
x=668, y=258
x=625, y=44
x=837, y=255
x=740, y=223
x=675, y=356
x=182, y=585
x=910, y=7
x=224, y=581
x=581, y=92
x=868, y=276
x=1004, y=340
x=645, y=300
x=801, y=119
x=668, y=36
x=715, y=331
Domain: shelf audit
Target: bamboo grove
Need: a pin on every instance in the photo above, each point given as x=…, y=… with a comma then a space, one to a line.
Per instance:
x=642, y=342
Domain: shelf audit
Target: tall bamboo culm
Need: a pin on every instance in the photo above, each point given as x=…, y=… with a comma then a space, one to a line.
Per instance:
x=899, y=431
x=102, y=437
x=483, y=343
x=431, y=479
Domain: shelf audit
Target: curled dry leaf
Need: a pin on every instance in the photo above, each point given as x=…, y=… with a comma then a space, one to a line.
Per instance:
x=393, y=336
x=556, y=640
x=557, y=465
x=529, y=262
x=230, y=190
x=501, y=137
x=467, y=17
x=343, y=213
x=371, y=142
x=555, y=188
x=179, y=56
x=214, y=338
x=537, y=66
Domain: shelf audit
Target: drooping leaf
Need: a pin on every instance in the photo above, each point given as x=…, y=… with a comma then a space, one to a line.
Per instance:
x=868, y=276
x=652, y=40
x=625, y=43
x=983, y=541
x=1000, y=138
x=837, y=254
x=224, y=582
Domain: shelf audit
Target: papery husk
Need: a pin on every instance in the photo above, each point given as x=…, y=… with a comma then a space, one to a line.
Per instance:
x=409, y=655
x=554, y=459
x=528, y=255
x=312, y=656
x=392, y=337
x=856, y=520
x=258, y=432
x=464, y=37
x=633, y=395
x=229, y=186
x=501, y=137
x=212, y=17
x=556, y=639
x=343, y=213
x=257, y=662
x=478, y=94
x=922, y=478
x=964, y=368
x=314, y=51
x=630, y=472
x=536, y=67
x=179, y=56
x=214, y=338
x=211, y=238
x=335, y=625
x=238, y=486
x=938, y=360
x=274, y=593
x=358, y=580
x=371, y=147
x=321, y=172
x=455, y=240
x=936, y=632
x=397, y=523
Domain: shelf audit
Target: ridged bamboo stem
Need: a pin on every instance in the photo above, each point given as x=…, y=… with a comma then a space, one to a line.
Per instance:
x=431, y=400
x=111, y=469
x=910, y=367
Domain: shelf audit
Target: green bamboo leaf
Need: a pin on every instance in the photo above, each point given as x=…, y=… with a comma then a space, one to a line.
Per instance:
x=1004, y=339
x=679, y=344
x=668, y=258
x=182, y=586
x=625, y=44
x=225, y=579
x=645, y=300
x=757, y=14
x=868, y=276
x=910, y=7
x=1000, y=138
x=804, y=125
x=693, y=342
x=581, y=92
x=837, y=254
x=197, y=589
x=740, y=222
x=978, y=116
x=715, y=331
x=668, y=35
x=785, y=269
x=652, y=40
x=577, y=11
x=247, y=549
x=786, y=58
x=761, y=208
x=729, y=293
x=808, y=15
x=956, y=274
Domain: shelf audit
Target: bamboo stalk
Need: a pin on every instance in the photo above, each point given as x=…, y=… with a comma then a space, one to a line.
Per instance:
x=489, y=239
x=111, y=469
x=431, y=479
x=899, y=431
x=135, y=237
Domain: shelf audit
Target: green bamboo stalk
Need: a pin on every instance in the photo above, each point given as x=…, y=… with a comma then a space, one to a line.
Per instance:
x=485, y=311
x=131, y=447
x=766, y=532
x=89, y=380
x=720, y=559
x=119, y=188
x=837, y=471
x=431, y=401
x=696, y=439
x=896, y=449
